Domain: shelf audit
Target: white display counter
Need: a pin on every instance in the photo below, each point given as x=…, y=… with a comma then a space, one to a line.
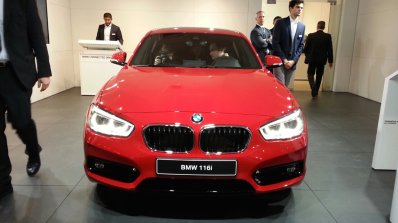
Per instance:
x=95, y=66
x=385, y=156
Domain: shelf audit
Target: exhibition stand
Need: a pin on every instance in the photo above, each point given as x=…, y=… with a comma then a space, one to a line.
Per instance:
x=385, y=156
x=95, y=66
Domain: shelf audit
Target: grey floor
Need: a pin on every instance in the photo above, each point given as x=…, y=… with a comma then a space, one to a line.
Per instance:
x=340, y=185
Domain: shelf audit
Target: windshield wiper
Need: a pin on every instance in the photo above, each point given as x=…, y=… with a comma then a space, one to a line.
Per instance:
x=143, y=65
x=207, y=66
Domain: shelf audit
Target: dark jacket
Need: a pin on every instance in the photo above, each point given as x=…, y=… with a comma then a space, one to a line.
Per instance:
x=318, y=48
x=259, y=37
x=282, y=40
x=24, y=40
x=116, y=33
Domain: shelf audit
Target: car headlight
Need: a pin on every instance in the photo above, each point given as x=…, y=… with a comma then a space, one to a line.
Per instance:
x=287, y=127
x=106, y=123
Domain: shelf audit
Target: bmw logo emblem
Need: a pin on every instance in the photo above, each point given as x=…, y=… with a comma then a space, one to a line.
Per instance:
x=197, y=118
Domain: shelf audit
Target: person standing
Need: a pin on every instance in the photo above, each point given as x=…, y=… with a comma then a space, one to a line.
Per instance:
x=108, y=30
x=261, y=37
x=318, y=50
x=288, y=41
x=276, y=18
x=22, y=45
x=220, y=57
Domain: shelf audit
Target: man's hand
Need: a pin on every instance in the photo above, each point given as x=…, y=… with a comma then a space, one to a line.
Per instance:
x=330, y=65
x=43, y=83
x=288, y=63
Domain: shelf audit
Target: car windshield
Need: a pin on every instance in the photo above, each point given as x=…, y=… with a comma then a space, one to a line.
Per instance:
x=195, y=50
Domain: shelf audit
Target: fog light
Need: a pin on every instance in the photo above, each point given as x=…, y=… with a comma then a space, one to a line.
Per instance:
x=112, y=170
x=276, y=174
x=99, y=165
x=291, y=169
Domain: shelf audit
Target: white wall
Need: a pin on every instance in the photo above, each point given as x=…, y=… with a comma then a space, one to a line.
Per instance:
x=137, y=17
x=59, y=49
x=367, y=50
x=345, y=48
x=375, y=54
x=333, y=29
x=281, y=8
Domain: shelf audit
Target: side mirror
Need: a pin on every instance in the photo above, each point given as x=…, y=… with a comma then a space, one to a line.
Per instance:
x=119, y=58
x=272, y=61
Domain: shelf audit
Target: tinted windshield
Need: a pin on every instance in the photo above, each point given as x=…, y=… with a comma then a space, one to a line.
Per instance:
x=195, y=50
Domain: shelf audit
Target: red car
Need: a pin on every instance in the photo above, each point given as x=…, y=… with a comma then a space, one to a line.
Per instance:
x=194, y=110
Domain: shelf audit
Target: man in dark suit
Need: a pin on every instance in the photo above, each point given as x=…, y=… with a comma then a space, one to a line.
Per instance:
x=22, y=43
x=276, y=18
x=108, y=30
x=261, y=37
x=318, y=49
x=288, y=41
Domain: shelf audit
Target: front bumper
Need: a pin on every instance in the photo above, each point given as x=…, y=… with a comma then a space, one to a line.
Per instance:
x=279, y=165
x=129, y=164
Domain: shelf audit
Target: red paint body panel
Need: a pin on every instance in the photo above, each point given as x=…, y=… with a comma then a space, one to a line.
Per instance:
x=197, y=90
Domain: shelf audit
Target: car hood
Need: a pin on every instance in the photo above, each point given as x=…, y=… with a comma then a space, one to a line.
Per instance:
x=204, y=90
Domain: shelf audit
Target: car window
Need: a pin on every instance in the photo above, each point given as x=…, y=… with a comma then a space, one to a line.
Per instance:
x=194, y=50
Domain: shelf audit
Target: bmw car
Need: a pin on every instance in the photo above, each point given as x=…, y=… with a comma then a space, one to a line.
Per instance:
x=175, y=120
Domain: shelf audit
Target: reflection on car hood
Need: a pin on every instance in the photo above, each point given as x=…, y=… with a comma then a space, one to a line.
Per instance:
x=232, y=91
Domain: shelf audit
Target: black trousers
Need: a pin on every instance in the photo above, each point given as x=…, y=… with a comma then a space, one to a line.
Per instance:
x=15, y=100
x=318, y=69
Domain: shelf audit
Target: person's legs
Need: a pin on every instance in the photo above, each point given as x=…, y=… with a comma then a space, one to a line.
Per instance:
x=284, y=75
x=288, y=76
x=310, y=75
x=5, y=164
x=19, y=114
x=319, y=73
x=279, y=74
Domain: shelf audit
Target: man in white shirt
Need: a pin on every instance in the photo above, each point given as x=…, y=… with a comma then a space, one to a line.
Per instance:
x=288, y=41
x=109, y=31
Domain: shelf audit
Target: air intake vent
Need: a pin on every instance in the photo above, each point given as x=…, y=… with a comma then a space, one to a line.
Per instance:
x=169, y=138
x=224, y=139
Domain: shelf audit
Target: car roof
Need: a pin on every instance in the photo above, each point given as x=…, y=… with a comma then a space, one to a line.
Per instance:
x=195, y=30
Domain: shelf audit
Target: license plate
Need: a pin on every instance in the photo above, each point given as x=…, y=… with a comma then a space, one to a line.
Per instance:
x=188, y=167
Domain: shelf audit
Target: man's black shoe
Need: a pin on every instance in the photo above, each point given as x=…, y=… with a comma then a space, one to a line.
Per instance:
x=5, y=190
x=33, y=165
